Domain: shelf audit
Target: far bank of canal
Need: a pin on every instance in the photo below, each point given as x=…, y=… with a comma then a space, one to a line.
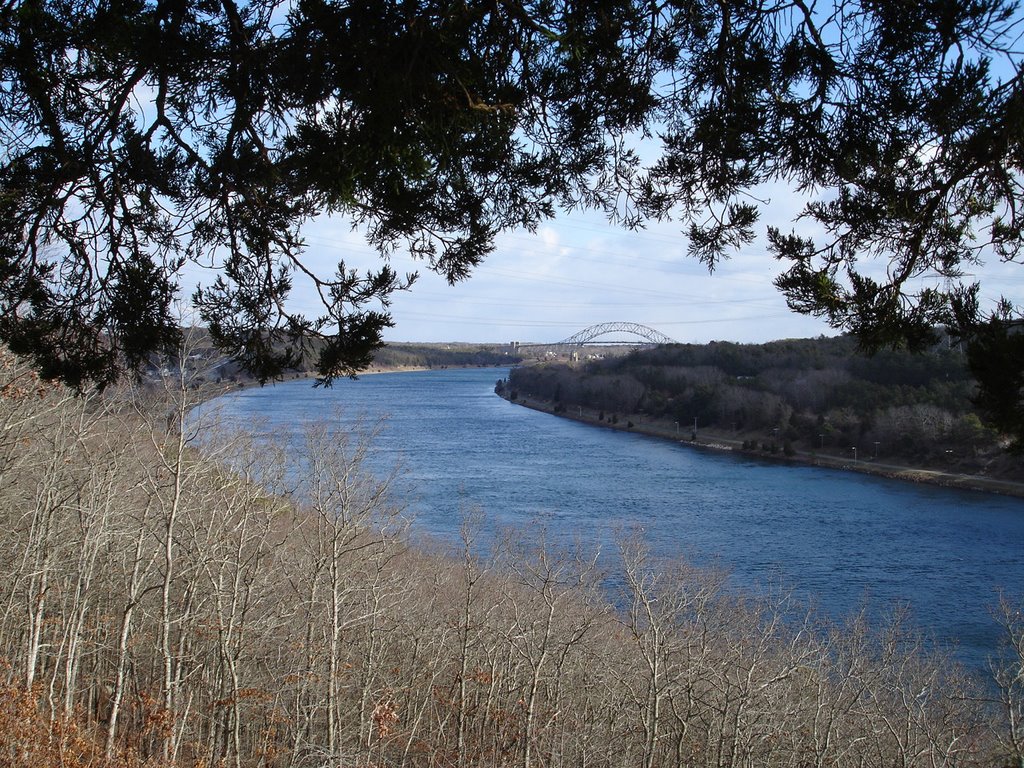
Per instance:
x=713, y=441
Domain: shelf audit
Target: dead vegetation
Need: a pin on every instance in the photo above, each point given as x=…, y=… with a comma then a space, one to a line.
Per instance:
x=160, y=610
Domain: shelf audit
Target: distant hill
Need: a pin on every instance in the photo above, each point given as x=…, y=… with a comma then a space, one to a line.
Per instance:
x=393, y=357
x=441, y=355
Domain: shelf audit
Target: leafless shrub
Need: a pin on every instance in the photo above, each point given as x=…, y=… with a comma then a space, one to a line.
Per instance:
x=162, y=608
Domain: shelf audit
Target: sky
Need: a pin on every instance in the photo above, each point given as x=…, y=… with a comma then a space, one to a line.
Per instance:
x=578, y=271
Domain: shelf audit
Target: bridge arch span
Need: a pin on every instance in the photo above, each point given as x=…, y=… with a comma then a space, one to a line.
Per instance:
x=589, y=335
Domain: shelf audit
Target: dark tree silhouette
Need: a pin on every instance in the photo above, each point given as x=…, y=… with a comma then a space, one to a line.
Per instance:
x=138, y=136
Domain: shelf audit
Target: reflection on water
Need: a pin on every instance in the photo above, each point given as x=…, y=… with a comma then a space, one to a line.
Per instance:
x=840, y=540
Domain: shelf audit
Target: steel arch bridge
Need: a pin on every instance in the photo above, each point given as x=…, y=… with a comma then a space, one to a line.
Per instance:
x=594, y=332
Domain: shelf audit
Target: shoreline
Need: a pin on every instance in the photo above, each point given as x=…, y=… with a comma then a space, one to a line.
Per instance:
x=224, y=387
x=709, y=440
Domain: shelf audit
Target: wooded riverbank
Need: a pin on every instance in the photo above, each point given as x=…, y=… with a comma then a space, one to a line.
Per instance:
x=714, y=440
x=819, y=401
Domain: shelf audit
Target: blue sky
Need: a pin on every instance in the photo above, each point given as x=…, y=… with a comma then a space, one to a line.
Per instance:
x=578, y=270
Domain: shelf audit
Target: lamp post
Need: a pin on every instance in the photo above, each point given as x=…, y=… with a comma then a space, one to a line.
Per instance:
x=876, y=450
x=821, y=441
x=854, y=449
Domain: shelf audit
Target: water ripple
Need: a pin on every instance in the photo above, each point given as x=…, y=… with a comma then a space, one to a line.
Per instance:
x=840, y=540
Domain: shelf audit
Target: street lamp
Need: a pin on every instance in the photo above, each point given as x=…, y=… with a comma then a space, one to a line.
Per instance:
x=876, y=450
x=854, y=449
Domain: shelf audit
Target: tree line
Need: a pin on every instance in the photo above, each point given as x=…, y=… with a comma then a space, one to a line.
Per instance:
x=391, y=356
x=173, y=601
x=441, y=355
x=798, y=395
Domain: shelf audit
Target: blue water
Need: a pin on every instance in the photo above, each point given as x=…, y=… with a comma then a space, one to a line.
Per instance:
x=841, y=541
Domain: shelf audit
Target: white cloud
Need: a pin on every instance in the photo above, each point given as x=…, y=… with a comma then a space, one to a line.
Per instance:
x=579, y=271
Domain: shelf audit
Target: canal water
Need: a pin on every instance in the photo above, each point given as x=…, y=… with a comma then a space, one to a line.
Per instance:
x=841, y=541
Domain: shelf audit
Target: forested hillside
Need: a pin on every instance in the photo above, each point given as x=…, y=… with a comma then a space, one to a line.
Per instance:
x=809, y=395
x=162, y=609
x=391, y=357
x=408, y=355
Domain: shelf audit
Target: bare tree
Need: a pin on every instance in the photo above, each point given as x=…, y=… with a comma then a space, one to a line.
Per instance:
x=1009, y=677
x=550, y=622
